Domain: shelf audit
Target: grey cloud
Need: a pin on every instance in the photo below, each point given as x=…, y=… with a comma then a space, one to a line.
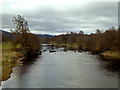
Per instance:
x=7, y=21
x=52, y=20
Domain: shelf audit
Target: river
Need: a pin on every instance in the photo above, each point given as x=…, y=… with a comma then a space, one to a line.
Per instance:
x=63, y=70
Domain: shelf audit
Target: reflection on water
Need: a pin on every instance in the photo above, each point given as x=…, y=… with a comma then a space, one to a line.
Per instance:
x=63, y=70
x=26, y=64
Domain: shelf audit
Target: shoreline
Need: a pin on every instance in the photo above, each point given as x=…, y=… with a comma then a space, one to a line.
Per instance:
x=6, y=74
x=110, y=55
x=10, y=59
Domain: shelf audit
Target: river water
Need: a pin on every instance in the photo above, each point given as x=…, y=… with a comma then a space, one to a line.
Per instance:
x=63, y=70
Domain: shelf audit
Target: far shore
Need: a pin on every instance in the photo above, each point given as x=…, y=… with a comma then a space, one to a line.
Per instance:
x=109, y=55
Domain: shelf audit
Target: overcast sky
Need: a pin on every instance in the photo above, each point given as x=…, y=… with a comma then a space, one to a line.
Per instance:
x=57, y=17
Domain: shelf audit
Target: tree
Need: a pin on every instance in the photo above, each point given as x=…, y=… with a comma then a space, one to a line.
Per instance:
x=98, y=31
x=29, y=43
x=71, y=39
x=81, y=32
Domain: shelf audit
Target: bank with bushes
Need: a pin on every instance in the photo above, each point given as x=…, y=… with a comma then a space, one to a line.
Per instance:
x=105, y=43
x=22, y=45
x=108, y=55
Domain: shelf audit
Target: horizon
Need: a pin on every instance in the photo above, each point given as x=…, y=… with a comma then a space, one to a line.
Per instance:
x=61, y=33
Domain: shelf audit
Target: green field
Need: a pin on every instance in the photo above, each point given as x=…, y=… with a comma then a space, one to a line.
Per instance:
x=6, y=45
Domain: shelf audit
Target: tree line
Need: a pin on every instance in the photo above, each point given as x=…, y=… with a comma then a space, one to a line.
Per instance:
x=96, y=43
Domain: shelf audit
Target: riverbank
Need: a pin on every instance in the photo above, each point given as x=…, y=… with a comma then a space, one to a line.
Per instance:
x=110, y=55
x=10, y=58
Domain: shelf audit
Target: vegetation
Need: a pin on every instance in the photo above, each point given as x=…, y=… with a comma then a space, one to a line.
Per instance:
x=111, y=54
x=21, y=44
x=98, y=42
x=9, y=59
x=29, y=43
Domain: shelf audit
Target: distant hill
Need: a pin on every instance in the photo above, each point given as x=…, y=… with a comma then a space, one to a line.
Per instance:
x=44, y=35
x=2, y=31
x=6, y=34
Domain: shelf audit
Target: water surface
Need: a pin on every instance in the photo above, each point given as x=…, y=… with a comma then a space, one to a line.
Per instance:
x=63, y=70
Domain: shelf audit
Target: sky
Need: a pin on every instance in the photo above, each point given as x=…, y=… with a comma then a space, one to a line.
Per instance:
x=60, y=16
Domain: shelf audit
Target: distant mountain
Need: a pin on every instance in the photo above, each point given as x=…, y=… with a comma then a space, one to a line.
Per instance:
x=2, y=31
x=6, y=34
x=45, y=35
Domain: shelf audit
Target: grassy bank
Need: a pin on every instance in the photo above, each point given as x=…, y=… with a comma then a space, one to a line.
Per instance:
x=10, y=58
x=110, y=55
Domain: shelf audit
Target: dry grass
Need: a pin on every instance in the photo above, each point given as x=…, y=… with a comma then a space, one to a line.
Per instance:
x=111, y=54
x=9, y=59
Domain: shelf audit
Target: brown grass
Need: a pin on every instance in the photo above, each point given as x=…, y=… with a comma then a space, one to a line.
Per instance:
x=9, y=60
x=111, y=54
